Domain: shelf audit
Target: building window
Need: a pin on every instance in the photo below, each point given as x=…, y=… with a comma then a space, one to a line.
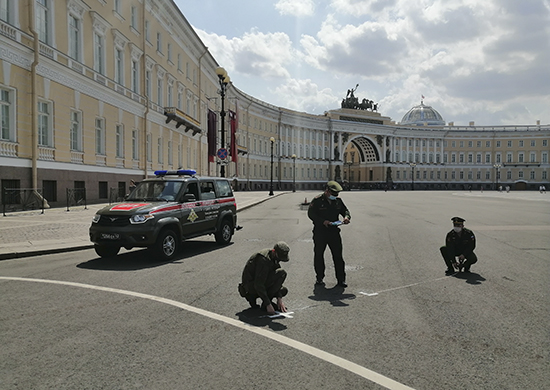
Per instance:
x=149, y=147
x=147, y=31
x=453, y=158
x=74, y=38
x=470, y=158
x=135, y=76
x=509, y=144
x=43, y=19
x=533, y=143
x=7, y=115
x=470, y=175
x=487, y=175
x=544, y=175
x=478, y=158
x=119, y=66
x=45, y=124
x=169, y=52
x=532, y=175
x=487, y=144
x=148, y=84
x=461, y=158
x=520, y=157
x=508, y=157
x=134, y=18
x=117, y=7
x=521, y=143
x=544, y=157
x=119, y=141
x=135, y=145
x=478, y=175
x=520, y=175
x=159, y=91
x=160, y=151
x=509, y=175
x=532, y=157
x=49, y=188
x=461, y=175
x=159, y=42
x=544, y=142
x=100, y=136
x=76, y=131
x=5, y=10
x=498, y=158
x=99, y=53
x=498, y=144
x=487, y=158
x=169, y=152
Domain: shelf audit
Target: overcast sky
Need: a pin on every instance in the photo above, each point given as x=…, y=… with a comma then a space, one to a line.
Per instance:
x=485, y=61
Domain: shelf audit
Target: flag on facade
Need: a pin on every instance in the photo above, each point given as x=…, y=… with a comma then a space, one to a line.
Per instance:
x=212, y=132
x=233, y=145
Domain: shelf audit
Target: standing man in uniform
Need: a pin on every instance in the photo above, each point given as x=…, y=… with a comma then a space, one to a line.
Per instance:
x=263, y=278
x=460, y=242
x=324, y=210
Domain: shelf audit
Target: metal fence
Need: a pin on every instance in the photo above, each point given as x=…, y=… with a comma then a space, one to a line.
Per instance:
x=76, y=197
x=21, y=199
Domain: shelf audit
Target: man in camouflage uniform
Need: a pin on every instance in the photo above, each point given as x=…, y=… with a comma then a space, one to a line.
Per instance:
x=460, y=242
x=263, y=278
x=324, y=210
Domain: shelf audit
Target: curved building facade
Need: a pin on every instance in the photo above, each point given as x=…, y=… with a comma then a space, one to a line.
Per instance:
x=132, y=89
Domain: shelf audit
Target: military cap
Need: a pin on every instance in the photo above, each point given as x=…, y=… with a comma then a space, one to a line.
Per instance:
x=282, y=249
x=457, y=220
x=334, y=186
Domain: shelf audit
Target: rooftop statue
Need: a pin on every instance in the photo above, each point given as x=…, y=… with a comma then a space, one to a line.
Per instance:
x=350, y=101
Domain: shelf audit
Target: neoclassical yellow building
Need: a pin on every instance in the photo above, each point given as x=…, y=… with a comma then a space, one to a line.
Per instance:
x=96, y=93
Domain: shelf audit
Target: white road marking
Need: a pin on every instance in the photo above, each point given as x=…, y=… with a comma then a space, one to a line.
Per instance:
x=372, y=294
x=318, y=353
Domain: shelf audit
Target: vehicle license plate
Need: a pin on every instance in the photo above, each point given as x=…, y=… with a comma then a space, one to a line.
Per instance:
x=110, y=236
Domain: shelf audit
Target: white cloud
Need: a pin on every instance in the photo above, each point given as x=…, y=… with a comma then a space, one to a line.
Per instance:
x=304, y=95
x=255, y=53
x=295, y=7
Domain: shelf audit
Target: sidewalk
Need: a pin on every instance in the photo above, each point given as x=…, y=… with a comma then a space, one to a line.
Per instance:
x=31, y=233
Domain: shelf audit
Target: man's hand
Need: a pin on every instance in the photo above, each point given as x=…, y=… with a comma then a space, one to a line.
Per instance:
x=327, y=223
x=461, y=257
x=281, y=305
x=346, y=221
x=270, y=309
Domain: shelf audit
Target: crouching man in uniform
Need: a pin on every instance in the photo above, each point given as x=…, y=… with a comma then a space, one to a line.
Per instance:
x=263, y=278
x=460, y=242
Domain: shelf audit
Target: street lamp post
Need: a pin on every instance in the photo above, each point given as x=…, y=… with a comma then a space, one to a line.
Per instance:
x=349, y=164
x=293, y=173
x=413, y=165
x=224, y=80
x=272, y=140
x=497, y=167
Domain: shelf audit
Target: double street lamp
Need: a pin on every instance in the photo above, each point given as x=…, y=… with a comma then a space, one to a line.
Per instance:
x=293, y=173
x=497, y=167
x=272, y=140
x=413, y=165
x=224, y=80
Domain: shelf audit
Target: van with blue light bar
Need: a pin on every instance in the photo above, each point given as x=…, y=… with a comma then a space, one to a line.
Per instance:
x=162, y=212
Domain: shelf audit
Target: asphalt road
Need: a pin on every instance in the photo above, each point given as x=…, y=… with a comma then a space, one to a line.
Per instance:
x=74, y=321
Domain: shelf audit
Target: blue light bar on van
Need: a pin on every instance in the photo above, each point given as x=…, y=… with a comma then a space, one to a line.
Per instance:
x=179, y=172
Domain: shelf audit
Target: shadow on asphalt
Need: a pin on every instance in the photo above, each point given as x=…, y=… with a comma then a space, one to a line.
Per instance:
x=142, y=259
x=470, y=277
x=334, y=295
x=255, y=317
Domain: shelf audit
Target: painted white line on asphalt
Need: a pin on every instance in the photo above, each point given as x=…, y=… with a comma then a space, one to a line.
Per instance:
x=328, y=357
x=372, y=294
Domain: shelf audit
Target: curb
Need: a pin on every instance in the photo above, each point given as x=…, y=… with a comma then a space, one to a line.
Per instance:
x=40, y=252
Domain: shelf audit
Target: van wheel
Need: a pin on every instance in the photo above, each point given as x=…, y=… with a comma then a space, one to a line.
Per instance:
x=223, y=236
x=167, y=245
x=106, y=251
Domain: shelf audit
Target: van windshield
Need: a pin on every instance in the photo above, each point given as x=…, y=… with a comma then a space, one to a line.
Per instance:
x=156, y=191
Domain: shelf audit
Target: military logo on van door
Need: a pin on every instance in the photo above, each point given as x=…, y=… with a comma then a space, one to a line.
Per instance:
x=192, y=216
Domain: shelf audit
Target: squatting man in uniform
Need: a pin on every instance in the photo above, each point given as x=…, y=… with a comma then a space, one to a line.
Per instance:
x=263, y=278
x=324, y=210
x=459, y=243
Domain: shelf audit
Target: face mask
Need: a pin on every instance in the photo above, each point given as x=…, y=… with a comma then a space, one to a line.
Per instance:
x=457, y=229
x=332, y=197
